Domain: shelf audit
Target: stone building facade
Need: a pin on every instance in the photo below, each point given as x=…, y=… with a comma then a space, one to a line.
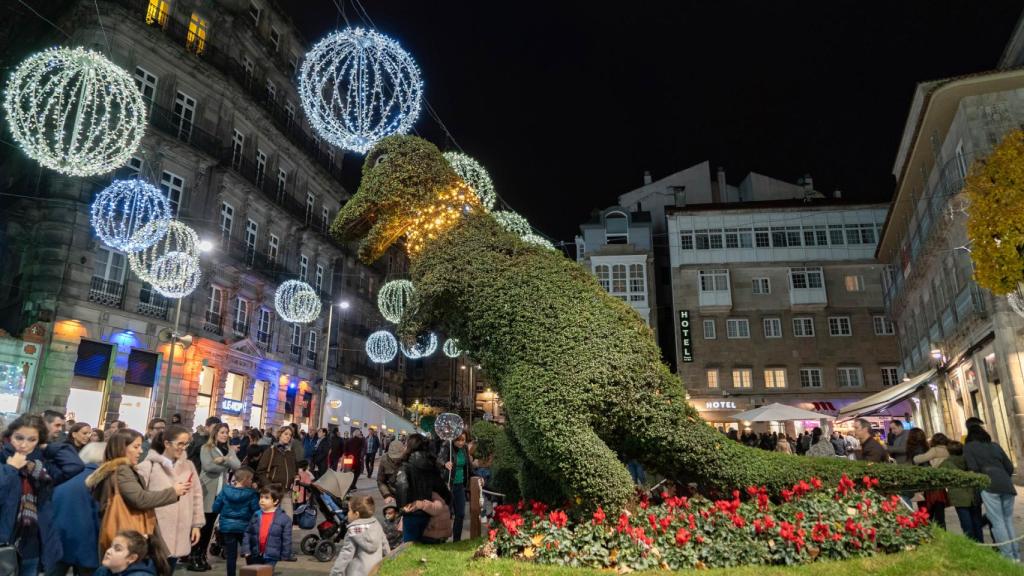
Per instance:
x=228, y=144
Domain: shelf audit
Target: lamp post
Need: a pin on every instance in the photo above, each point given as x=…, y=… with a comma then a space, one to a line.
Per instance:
x=327, y=351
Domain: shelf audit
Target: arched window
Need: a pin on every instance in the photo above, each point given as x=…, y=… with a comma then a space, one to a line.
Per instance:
x=616, y=228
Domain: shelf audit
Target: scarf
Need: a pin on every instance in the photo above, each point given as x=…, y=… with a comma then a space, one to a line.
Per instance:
x=223, y=448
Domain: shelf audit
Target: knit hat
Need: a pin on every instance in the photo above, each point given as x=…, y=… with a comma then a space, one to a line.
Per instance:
x=396, y=449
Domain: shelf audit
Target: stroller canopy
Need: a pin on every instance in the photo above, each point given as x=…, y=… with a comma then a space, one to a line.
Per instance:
x=335, y=483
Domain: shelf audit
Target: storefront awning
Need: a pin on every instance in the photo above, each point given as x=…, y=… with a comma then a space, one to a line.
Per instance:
x=885, y=398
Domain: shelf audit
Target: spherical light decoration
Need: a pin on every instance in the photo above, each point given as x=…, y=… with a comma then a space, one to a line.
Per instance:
x=532, y=238
x=451, y=348
x=358, y=86
x=513, y=222
x=297, y=302
x=381, y=347
x=475, y=175
x=75, y=111
x=422, y=349
x=122, y=210
x=171, y=264
x=449, y=426
x=394, y=298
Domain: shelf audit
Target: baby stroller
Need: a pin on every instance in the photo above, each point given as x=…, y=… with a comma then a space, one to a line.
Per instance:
x=326, y=495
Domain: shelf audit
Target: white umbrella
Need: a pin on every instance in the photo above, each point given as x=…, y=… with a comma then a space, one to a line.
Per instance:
x=779, y=413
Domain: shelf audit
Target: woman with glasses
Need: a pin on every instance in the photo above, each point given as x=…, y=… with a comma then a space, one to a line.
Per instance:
x=166, y=465
x=219, y=458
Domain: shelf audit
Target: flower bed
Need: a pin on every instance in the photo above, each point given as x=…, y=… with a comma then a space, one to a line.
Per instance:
x=809, y=522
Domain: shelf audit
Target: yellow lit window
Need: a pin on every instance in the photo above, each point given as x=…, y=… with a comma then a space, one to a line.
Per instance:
x=196, y=39
x=157, y=12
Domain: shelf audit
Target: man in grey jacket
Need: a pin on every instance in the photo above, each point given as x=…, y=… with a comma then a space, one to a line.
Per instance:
x=897, y=442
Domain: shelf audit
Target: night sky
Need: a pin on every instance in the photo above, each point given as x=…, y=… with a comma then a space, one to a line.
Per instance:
x=567, y=103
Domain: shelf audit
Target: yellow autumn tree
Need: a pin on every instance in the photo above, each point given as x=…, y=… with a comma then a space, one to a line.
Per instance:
x=995, y=222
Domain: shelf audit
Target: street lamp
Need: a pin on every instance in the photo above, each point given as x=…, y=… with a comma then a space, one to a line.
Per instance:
x=344, y=305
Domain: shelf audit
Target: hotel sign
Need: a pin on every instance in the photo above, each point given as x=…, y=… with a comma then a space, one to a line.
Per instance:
x=720, y=405
x=684, y=330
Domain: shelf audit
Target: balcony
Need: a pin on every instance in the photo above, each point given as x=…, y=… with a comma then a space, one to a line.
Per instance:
x=213, y=323
x=152, y=304
x=808, y=298
x=106, y=292
x=264, y=340
x=715, y=300
x=311, y=356
x=296, y=354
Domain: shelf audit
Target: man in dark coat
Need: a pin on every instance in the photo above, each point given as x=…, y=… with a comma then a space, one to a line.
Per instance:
x=78, y=511
x=871, y=450
x=196, y=445
x=356, y=448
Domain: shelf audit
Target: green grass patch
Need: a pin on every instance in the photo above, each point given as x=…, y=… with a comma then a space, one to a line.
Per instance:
x=947, y=554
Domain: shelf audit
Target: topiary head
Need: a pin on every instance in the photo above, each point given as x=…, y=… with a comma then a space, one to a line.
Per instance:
x=407, y=190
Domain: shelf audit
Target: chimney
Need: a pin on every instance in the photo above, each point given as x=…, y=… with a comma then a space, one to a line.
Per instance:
x=647, y=177
x=838, y=194
x=721, y=184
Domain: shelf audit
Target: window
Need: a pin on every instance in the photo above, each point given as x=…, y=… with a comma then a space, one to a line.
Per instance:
x=712, y=377
x=275, y=39
x=311, y=346
x=310, y=205
x=254, y=13
x=803, y=327
x=775, y=378
x=296, y=340
x=686, y=240
x=854, y=283
x=271, y=91
x=802, y=278
x=761, y=238
x=251, y=235
x=890, y=375
x=196, y=39
x=110, y=266
x=715, y=237
x=319, y=283
x=616, y=228
x=850, y=377
x=147, y=85
x=289, y=112
x=883, y=326
x=157, y=12
x=619, y=281
x=810, y=377
x=839, y=326
x=303, y=267
x=325, y=217
x=637, y=283
x=737, y=328
x=261, y=167
x=714, y=280
x=835, y=235
x=241, y=316
x=293, y=65
x=762, y=286
x=732, y=239
x=741, y=377
x=184, y=115
x=237, y=149
x=282, y=184
x=227, y=218
x=772, y=327
x=709, y=330
x=259, y=395
x=272, y=247
x=174, y=187
x=746, y=239
x=215, y=305
x=263, y=328
x=603, y=273
x=701, y=239
x=248, y=70
x=134, y=165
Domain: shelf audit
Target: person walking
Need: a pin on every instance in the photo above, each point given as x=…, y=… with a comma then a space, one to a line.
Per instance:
x=871, y=450
x=355, y=448
x=456, y=469
x=117, y=475
x=965, y=501
x=419, y=478
x=236, y=505
x=79, y=525
x=26, y=489
x=984, y=456
x=372, y=448
x=277, y=465
x=897, y=442
x=167, y=464
x=218, y=459
x=820, y=446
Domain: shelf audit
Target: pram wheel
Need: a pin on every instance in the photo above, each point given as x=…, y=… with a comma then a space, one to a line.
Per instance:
x=308, y=544
x=324, y=551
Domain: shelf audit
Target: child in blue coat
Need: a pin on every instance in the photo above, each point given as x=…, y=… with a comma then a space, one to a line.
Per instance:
x=268, y=538
x=132, y=554
x=236, y=505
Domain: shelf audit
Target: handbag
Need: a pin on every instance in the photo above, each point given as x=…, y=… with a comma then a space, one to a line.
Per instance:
x=119, y=516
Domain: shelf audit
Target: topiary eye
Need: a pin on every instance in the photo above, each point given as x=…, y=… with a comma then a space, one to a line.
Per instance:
x=379, y=159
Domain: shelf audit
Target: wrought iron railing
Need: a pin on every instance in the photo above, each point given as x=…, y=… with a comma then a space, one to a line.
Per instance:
x=106, y=292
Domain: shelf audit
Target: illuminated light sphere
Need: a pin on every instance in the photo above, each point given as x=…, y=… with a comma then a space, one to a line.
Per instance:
x=358, y=86
x=422, y=349
x=474, y=175
x=532, y=238
x=448, y=426
x=513, y=222
x=393, y=298
x=171, y=264
x=297, y=302
x=74, y=111
x=122, y=210
x=381, y=347
x=451, y=348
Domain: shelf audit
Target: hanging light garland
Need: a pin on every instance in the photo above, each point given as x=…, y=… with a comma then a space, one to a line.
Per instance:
x=381, y=347
x=475, y=175
x=297, y=302
x=513, y=222
x=171, y=264
x=421, y=349
x=358, y=86
x=451, y=348
x=122, y=210
x=393, y=298
x=74, y=111
x=532, y=238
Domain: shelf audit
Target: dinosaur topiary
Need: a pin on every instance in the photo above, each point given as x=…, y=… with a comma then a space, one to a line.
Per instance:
x=579, y=371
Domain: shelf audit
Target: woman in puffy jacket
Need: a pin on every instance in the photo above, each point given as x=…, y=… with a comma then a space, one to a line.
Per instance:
x=165, y=465
x=418, y=479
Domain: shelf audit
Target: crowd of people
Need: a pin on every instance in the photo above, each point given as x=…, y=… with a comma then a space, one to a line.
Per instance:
x=906, y=445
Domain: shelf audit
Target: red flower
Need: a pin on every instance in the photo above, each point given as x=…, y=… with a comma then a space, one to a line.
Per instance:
x=787, y=495
x=816, y=482
x=738, y=521
x=653, y=521
x=623, y=525
x=599, y=516
x=683, y=536
x=799, y=516
x=752, y=490
x=492, y=534
x=538, y=508
x=700, y=539
x=512, y=522
x=558, y=519
x=758, y=527
x=665, y=522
